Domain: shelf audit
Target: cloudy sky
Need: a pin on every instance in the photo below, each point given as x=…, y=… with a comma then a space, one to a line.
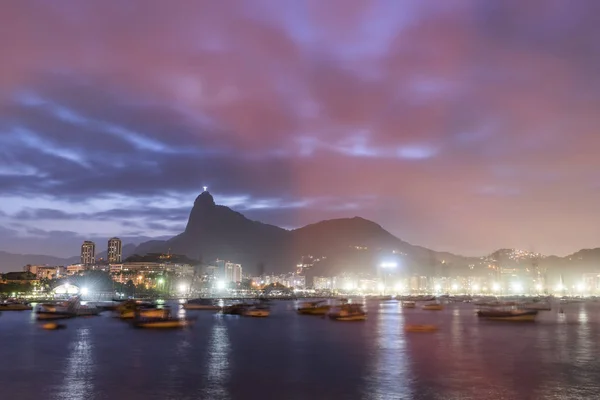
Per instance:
x=459, y=125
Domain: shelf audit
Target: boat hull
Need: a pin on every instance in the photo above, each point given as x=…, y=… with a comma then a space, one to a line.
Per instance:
x=151, y=313
x=163, y=324
x=526, y=316
x=314, y=310
x=257, y=313
x=15, y=307
x=421, y=328
x=48, y=316
x=201, y=307
x=336, y=317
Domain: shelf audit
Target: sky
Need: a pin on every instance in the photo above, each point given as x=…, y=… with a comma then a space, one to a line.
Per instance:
x=462, y=126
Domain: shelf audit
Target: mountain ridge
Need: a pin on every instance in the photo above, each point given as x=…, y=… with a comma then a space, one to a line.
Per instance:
x=352, y=244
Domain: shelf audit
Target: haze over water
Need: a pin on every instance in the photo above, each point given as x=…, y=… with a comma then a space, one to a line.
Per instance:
x=287, y=356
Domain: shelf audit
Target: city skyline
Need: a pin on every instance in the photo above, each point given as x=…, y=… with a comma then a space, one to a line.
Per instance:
x=465, y=128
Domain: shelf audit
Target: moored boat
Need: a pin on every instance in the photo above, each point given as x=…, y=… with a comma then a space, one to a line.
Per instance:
x=421, y=328
x=201, y=304
x=313, y=308
x=257, y=311
x=348, y=312
x=130, y=308
x=433, y=307
x=236, y=309
x=408, y=304
x=162, y=323
x=49, y=311
x=508, y=315
x=14, y=306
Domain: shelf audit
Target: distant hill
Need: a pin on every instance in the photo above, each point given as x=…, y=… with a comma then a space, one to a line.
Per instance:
x=16, y=262
x=347, y=244
x=333, y=246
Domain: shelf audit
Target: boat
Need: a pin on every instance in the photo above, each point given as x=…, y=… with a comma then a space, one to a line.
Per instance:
x=408, y=304
x=68, y=309
x=348, y=312
x=508, y=315
x=313, y=308
x=433, y=307
x=201, y=304
x=54, y=311
x=421, y=328
x=164, y=322
x=257, y=311
x=236, y=309
x=14, y=306
x=128, y=310
x=52, y=326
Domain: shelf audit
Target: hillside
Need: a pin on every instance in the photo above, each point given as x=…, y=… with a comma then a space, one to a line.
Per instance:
x=349, y=244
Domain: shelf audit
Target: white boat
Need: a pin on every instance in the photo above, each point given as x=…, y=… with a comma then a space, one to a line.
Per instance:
x=49, y=311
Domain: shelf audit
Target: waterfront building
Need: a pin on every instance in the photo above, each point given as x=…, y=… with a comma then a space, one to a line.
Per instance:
x=88, y=253
x=237, y=273
x=76, y=269
x=115, y=250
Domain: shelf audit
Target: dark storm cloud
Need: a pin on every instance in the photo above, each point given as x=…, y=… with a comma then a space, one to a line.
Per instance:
x=454, y=116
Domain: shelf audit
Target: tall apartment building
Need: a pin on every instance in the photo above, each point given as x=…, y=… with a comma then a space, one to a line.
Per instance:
x=115, y=247
x=228, y=271
x=88, y=253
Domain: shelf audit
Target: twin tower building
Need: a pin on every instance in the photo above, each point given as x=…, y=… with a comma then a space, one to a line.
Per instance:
x=88, y=252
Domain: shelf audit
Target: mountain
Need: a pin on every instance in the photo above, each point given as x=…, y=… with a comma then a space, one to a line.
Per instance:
x=16, y=262
x=347, y=244
x=215, y=231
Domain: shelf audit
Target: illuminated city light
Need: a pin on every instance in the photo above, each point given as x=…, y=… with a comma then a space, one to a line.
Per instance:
x=389, y=265
x=438, y=287
x=454, y=287
x=580, y=287
x=476, y=288
x=381, y=287
x=161, y=281
x=517, y=287
x=495, y=287
x=84, y=291
x=182, y=287
x=220, y=285
x=538, y=287
x=399, y=286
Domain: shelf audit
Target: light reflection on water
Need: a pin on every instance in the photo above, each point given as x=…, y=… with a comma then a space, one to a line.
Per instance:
x=287, y=356
x=78, y=381
x=218, y=362
x=388, y=371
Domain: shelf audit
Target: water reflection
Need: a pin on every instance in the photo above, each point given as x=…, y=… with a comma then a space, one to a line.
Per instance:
x=218, y=362
x=388, y=370
x=78, y=383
